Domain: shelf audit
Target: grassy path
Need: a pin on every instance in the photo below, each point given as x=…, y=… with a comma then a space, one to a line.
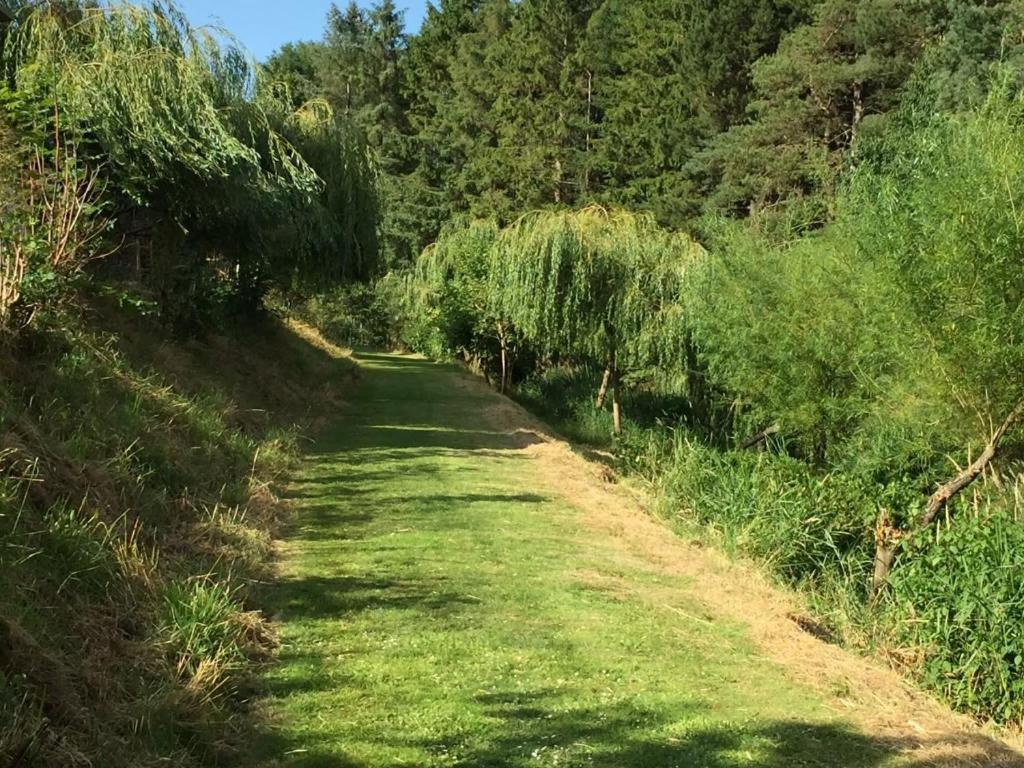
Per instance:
x=444, y=604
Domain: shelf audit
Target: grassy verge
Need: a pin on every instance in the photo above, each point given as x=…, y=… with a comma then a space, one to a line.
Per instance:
x=952, y=614
x=137, y=504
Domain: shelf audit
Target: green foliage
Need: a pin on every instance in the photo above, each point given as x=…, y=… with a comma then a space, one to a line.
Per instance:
x=450, y=286
x=951, y=241
x=564, y=397
x=200, y=155
x=355, y=315
x=957, y=604
x=812, y=98
x=800, y=525
x=792, y=334
x=595, y=284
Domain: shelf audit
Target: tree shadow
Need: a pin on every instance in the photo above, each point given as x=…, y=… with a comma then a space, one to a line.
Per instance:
x=535, y=729
x=333, y=597
x=380, y=437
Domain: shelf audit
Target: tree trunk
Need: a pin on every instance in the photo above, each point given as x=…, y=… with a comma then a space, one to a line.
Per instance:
x=887, y=543
x=858, y=112
x=602, y=393
x=946, y=492
x=616, y=402
x=504, y=356
x=590, y=121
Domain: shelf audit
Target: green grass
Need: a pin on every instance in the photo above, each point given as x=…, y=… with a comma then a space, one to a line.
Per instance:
x=440, y=607
x=138, y=481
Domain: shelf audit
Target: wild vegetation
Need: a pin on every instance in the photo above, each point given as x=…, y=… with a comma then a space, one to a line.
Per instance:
x=824, y=402
x=154, y=185
x=778, y=241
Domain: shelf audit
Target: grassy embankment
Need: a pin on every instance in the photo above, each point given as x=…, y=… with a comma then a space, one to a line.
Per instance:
x=137, y=506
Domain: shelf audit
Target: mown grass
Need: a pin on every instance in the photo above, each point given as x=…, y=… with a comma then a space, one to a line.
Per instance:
x=137, y=509
x=440, y=606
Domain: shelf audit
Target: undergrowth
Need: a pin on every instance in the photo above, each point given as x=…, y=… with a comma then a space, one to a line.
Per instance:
x=137, y=512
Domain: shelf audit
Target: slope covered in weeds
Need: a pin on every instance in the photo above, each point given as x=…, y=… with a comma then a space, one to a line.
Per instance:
x=137, y=506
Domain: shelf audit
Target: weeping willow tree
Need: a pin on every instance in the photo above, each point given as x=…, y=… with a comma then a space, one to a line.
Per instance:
x=449, y=285
x=196, y=147
x=338, y=231
x=596, y=284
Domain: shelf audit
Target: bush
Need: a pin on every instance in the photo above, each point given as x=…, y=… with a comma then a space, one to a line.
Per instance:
x=355, y=315
x=958, y=601
x=772, y=507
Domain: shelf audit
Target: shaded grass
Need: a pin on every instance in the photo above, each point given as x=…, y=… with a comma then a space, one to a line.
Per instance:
x=137, y=508
x=439, y=607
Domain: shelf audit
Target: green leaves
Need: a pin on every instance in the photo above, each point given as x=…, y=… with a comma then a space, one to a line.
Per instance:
x=594, y=283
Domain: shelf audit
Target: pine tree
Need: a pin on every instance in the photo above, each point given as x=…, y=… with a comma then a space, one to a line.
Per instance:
x=813, y=98
x=296, y=66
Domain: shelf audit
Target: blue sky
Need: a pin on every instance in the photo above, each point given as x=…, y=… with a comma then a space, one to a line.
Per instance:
x=265, y=25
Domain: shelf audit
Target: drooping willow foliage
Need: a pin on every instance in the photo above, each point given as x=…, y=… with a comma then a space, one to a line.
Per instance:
x=201, y=155
x=443, y=301
x=595, y=285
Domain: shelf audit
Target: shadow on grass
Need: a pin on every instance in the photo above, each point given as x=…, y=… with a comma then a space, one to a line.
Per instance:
x=333, y=597
x=533, y=731
x=528, y=730
x=375, y=440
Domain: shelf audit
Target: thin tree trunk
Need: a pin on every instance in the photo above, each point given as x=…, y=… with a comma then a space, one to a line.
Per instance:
x=616, y=402
x=590, y=120
x=858, y=117
x=946, y=492
x=602, y=393
x=887, y=543
x=504, y=356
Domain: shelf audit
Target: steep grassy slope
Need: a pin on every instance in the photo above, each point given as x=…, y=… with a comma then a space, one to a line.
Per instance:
x=137, y=505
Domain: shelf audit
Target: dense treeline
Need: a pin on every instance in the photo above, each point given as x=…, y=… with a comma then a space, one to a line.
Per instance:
x=677, y=108
x=832, y=382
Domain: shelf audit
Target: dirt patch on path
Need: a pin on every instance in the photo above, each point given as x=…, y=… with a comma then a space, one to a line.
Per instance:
x=858, y=690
